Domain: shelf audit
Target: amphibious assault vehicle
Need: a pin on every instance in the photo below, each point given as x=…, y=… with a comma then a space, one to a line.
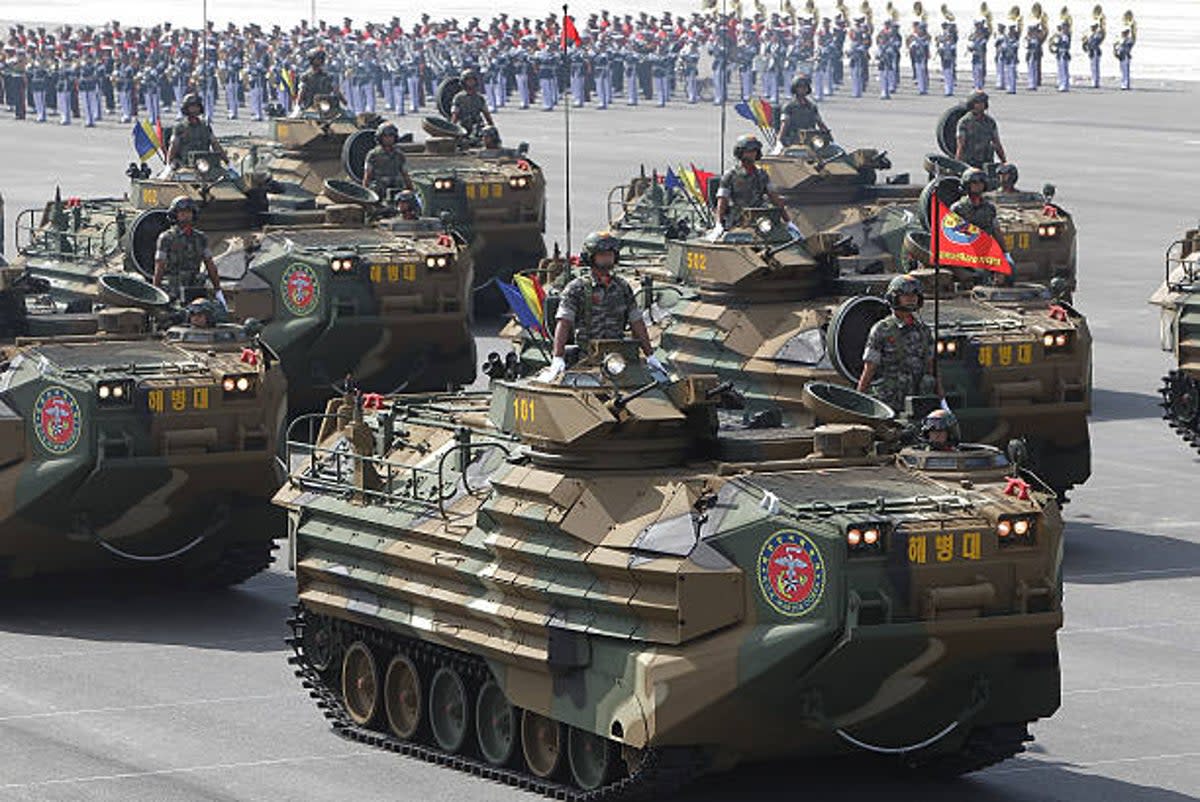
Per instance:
x=1179, y=299
x=589, y=589
x=131, y=443
x=338, y=290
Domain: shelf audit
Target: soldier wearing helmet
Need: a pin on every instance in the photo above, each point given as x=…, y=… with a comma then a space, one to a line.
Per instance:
x=745, y=186
x=1008, y=174
x=180, y=252
x=490, y=136
x=978, y=135
x=899, y=350
x=939, y=430
x=192, y=134
x=973, y=207
x=383, y=168
x=469, y=108
x=597, y=306
x=202, y=313
x=316, y=82
x=408, y=205
x=800, y=114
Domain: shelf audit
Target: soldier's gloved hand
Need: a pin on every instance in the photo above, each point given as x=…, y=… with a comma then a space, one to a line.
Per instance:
x=656, y=364
x=715, y=233
x=220, y=296
x=794, y=230
x=557, y=367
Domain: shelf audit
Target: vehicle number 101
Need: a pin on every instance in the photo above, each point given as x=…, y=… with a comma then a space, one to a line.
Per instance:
x=524, y=410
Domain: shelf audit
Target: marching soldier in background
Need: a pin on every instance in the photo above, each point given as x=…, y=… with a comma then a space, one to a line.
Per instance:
x=88, y=85
x=1001, y=48
x=63, y=85
x=719, y=51
x=1092, y=47
x=150, y=81
x=256, y=87
x=918, y=54
x=1012, y=46
x=1060, y=46
x=123, y=84
x=1035, y=38
x=16, y=86
x=661, y=68
x=631, y=59
x=1123, y=48
x=887, y=59
x=860, y=57
x=39, y=84
x=689, y=59
x=602, y=70
x=977, y=46
x=947, y=48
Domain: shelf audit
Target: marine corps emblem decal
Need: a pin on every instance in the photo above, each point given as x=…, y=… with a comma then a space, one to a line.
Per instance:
x=791, y=573
x=57, y=420
x=301, y=289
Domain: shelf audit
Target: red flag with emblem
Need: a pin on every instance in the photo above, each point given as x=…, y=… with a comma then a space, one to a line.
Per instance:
x=958, y=243
x=570, y=32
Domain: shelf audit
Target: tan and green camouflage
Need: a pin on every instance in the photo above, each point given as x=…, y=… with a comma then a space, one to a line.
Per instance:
x=152, y=455
x=642, y=584
x=395, y=314
x=1179, y=299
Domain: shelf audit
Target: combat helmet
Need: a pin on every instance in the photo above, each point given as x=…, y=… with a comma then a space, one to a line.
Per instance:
x=179, y=204
x=408, y=198
x=801, y=80
x=599, y=241
x=941, y=420
x=490, y=132
x=387, y=129
x=315, y=55
x=971, y=176
x=1008, y=168
x=203, y=306
x=468, y=74
x=192, y=99
x=976, y=97
x=904, y=284
x=746, y=143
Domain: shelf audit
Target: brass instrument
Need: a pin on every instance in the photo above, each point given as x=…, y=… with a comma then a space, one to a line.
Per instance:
x=986, y=14
x=919, y=11
x=1015, y=19
x=843, y=13
x=866, y=11
x=759, y=8
x=947, y=14
x=1130, y=25
x=1098, y=18
x=893, y=12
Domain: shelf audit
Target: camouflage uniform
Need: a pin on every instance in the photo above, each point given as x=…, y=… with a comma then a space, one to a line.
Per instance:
x=193, y=138
x=598, y=312
x=313, y=83
x=979, y=136
x=744, y=190
x=184, y=254
x=798, y=115
x=901, y=354
x=983, y=216
x=469, y=107
x=387, y=168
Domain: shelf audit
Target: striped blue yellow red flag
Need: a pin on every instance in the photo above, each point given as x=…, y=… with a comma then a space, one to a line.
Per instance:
x=534, y=295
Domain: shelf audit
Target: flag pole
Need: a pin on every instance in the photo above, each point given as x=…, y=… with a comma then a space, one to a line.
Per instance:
x=567, y=132
x=935, y=227
x=724, y=40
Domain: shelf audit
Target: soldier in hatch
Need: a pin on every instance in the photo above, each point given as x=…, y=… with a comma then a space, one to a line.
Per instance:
x=899, y=352
x=800, y=113
x=978, y=135
x=383, y=168
x=192, y=134
x=181, y=251
x=469, y=108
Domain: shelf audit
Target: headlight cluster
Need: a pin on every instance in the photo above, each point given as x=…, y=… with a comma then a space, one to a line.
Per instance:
x=867, y=537
x=435, y=261
x=443, y=184
x=1017, y=530
x=1057, y=341
x=1049, y=230
x=203, y=165
x=520, y=182
x=950, y=348
x=614, y=365
x=238, y=386
x=765, y=225
x=343, y=264
x=819, y=142
x=115, y=393
x=325, y=106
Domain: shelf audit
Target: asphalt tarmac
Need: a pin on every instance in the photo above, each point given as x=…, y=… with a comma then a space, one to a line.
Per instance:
x=189, y=697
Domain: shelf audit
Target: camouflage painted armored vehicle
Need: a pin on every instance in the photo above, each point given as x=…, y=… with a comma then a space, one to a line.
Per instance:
x=132, y=446
x=590, y=590
x=1179, y=299
x=770, y=317
x=339, y=289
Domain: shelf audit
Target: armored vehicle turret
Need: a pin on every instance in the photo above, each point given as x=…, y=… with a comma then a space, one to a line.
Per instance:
x=592, y=590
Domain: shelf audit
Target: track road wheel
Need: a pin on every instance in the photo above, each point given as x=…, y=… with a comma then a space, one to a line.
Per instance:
x=541, y=743
x=449, y=710
x=495, y=725
x=590, y=757
x=360, y=683
x=1182, y=398
x=402, y=697
x=320, y=642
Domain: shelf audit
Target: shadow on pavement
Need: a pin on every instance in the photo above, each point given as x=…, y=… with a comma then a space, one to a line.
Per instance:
x=845, y=780
x=1113, y=405
x=248, y=618
x=1101, y=555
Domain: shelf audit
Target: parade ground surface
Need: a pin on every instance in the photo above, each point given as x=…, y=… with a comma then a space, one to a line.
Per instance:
x=189, y=697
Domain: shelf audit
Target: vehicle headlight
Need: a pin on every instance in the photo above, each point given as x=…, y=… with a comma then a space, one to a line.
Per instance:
x=520, y=181
x=614, y=365
x=114, y=392
x=203, y=165
x=1016, y=530
x=765, y=225
x=325, y=106
x=1057, y=342
x=867, y=537
x=1049, y=230
x=238, y=386
x=949, y=348
x=436, y=261
x=443, y=184
x=819, y=142
x=342, y=264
